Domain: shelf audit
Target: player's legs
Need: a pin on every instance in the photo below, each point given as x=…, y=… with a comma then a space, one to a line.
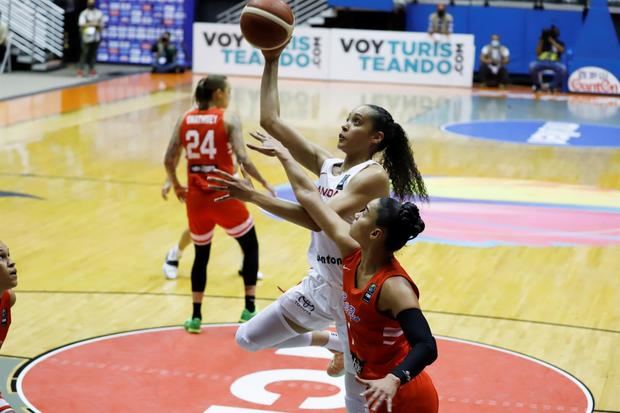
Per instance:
x=249, y=271
x=201, y=228
x=235, y=218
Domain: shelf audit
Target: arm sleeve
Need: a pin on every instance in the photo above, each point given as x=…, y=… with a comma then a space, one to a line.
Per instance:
x=423, y=346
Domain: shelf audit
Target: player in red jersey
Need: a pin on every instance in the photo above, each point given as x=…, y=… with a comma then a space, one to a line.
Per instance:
x=389, y=339
x=8, y=281
x=210, y=135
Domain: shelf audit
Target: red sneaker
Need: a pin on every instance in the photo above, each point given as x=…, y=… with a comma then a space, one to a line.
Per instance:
x=93, y=72
x=80, y=73
x=4, y=406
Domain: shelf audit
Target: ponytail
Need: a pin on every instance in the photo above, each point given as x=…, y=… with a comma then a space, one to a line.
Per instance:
x=398, y=158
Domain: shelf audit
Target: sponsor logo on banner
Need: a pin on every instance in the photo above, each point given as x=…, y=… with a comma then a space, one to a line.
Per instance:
x=591, y=79
x=402, y=57
x=336, y=54
x=222, y=48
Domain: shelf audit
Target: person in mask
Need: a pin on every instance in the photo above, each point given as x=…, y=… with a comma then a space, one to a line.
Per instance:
x=440, y=22
x=493, y=60
x=91, y=25
x=549, y=51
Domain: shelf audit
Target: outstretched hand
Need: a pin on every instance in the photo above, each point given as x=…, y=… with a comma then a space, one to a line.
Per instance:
x=268, y=145
x=238, y=188
x=379, y=391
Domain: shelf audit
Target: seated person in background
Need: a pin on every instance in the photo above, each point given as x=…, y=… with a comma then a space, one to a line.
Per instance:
x=549, y=51
x=440, y=22
x=493, y=60
x=165, y=56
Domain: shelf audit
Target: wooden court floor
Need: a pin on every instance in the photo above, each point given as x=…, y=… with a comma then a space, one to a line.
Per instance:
x=80, y=176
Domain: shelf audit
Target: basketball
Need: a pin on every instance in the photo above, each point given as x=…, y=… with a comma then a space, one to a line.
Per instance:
x=267, y=24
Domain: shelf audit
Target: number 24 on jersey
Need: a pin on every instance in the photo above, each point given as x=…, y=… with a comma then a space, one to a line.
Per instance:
x=196, y=148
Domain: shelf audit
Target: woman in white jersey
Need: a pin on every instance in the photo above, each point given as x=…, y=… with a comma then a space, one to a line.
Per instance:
x=347, y=185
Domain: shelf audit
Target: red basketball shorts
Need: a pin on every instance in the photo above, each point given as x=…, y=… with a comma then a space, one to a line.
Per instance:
x=203, y=213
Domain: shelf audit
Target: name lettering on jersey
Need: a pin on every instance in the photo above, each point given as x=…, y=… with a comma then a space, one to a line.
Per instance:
x=329, y=260
x=202, y=119
x=343, y=181
x=327, y=192
x=369, y=292
x=349, y=310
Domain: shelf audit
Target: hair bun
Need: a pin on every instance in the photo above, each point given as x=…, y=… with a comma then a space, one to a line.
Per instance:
x=409, y=217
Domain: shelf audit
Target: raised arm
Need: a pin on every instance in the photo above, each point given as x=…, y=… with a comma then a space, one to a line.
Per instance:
x=171, y=161
x=235, y=135
x=311, y=156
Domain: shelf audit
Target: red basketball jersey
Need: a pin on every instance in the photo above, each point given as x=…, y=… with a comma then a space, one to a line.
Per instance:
x=376, y=341
x=204, y=137
x=5, y=315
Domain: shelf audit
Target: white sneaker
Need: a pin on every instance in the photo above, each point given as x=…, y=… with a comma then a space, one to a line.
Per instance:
x=171, y=263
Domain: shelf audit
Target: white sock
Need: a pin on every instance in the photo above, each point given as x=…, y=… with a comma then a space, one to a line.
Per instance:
x=302, y=340
x=334, y=343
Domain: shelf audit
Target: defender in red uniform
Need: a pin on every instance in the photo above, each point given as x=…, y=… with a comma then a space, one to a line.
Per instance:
x=390, y=340
x=8, y=281
x=211, y=135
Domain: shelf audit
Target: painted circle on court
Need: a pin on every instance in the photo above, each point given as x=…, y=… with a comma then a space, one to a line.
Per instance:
x=487, y=212
x=168, y=370
x=539, y=132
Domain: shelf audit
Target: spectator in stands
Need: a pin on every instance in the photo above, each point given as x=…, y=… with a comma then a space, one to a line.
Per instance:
x=91, y=25
x=493, y=60
x=549, y=51
x=4, y=32
x=165, y=55
x=440, y=21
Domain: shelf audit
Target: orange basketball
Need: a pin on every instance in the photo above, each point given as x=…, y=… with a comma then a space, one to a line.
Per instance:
x=267, y=24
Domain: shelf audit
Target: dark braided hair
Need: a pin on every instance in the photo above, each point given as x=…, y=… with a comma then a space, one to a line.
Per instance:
x=402, y=222
x=205, y=88
x=398, y=158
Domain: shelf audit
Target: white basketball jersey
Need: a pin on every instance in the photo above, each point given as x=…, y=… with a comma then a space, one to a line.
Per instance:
x=323, y=254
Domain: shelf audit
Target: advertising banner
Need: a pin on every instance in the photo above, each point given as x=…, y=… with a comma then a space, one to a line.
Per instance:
x=336, y=54
x=592, y=79
x=402, y=57
x=221, y=48
x=133, y=26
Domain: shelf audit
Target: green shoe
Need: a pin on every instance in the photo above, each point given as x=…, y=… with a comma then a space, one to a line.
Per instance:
x=192, y=325
x=246, y=315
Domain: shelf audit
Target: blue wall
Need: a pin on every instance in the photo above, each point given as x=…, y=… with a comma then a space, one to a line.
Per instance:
x=519, y=28
x=379, y=5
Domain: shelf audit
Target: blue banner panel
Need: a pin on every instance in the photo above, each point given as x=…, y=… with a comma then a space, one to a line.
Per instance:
x=133, y=26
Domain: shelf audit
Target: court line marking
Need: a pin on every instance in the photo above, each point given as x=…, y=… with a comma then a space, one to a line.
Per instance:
x=23, y=371
x=548, y=323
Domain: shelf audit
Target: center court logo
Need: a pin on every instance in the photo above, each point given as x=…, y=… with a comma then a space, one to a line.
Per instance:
x=129, y=366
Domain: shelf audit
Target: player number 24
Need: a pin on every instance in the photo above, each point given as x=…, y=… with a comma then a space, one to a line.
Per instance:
x=207, y=146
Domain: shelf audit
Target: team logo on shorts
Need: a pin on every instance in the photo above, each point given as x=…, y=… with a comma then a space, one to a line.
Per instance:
x=305, y=304
x=369, y=292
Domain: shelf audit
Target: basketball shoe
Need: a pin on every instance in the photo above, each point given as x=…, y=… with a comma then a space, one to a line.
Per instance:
x=335, y=367
x=192, y=325
x=171, y=263
x=246, y=315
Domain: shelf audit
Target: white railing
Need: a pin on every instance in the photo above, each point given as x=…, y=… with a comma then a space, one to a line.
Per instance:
x=304, y=10
x=36, y=27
